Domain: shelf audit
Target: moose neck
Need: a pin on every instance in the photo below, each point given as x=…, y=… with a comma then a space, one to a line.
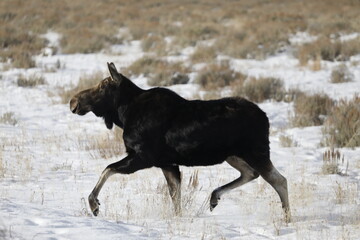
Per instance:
x=127, y=92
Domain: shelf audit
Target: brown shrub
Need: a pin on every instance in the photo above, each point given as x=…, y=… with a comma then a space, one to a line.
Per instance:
x=261, y=89
x=328, y=50
x=30, y=81
x=215, y=76
x=153, y=43
x=168, y=77
x=191, y=33
x=88, y=39
x=203, y=54
x=311, y=110
x=8, y=118
x=342, y=127
x=341, y=74
x=159, y=72
x=287, y=141
x=145, y=66
x=331, y=161
x=19, y=47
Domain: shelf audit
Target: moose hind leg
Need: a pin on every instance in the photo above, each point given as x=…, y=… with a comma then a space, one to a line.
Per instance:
x=279, y=183
x=129, y=164
x=173, y=178
x=247, y=174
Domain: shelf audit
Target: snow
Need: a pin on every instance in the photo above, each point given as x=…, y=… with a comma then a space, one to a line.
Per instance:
x=49, y=165
x=300, y=38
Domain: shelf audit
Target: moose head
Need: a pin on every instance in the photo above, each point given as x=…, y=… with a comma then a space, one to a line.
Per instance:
x=105, y=98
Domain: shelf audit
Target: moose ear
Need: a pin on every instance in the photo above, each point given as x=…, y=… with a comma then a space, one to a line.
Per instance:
x=114, y=73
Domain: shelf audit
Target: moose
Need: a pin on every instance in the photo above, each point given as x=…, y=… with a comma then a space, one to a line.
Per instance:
x=161, y=129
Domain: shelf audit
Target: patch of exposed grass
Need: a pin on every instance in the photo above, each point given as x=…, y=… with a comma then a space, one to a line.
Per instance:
x=342, y=127
x=167, y=78
x=191, y=33
x=160, y=72
x=261, y=89
x=328, y=49
x=287, y=141
x=145, y=66
x=30, y=81
x=341, y=74
x=215, y=76
x=8, y=118
x=203, y=54
x=154, y=43
x=105, y=146
x=18, y=47
x=311, y=110
x=331, y=161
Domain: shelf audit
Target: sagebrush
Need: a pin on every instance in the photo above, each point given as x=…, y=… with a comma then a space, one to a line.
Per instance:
x=342, y=128
x=263, y=88
x=311, y=110
x=218, y=75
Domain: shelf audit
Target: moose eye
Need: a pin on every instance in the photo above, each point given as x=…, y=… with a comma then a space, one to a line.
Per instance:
x=103, y=84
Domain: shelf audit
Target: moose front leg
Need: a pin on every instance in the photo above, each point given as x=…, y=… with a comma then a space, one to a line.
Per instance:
x=129, y=164
x=93, y=201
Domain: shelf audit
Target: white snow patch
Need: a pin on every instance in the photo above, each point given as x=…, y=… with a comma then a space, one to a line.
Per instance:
x=300, y=38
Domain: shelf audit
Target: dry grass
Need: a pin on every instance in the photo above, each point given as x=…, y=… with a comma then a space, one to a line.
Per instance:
x=160, y=72
x=154, y=43
x=346, y=193
x=31, y=80
x=311, y=110
x=104, y=146
x=261, y=89
x=203, y=54
x=328, y=49
x=342, y=128
x=8, y=118
x=245, y=29
x=215, y=76
x=287, y=141
x=331, y=161
x=2, y=165
x=341, y=74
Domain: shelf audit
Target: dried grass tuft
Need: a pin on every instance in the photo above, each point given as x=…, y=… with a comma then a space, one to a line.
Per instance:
x=30, y=81
x=311, y=110
x=261, y=89
x=216, y=76
x=342, y=128
x=8, y=118
x=159, y=72
x=341, y=74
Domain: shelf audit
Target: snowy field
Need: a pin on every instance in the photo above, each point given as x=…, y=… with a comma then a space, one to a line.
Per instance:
x=50, y=161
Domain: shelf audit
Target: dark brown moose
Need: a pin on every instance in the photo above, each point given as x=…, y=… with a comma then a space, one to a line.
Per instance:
x=162, y=129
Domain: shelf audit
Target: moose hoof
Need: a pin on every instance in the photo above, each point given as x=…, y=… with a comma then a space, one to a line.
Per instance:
x=214, y=200
x=287, y=217
x=94, y=205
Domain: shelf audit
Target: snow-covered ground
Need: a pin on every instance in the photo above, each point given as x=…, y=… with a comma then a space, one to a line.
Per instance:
x=48, y=166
